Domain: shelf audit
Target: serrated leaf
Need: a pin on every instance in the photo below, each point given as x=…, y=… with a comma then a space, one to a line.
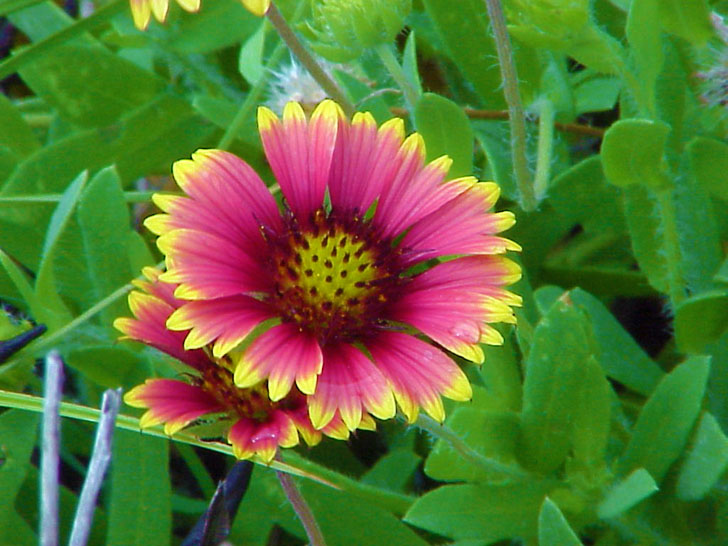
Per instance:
x=140, y=509
x=663, y=426
x=632, y=153
x=485, y=512
x=624, y=495
x=706, y=461
x=553, y=529
x=446, y=130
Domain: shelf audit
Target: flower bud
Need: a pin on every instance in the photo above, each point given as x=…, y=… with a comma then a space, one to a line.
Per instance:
x=342, y=29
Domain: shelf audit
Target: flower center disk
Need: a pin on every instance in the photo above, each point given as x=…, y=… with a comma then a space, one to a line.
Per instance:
x=333, y=278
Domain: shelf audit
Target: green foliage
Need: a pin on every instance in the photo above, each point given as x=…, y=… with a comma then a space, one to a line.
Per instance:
x=601, y=420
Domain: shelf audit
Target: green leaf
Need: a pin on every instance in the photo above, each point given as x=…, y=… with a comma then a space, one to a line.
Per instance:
x=493, y=434
x=494, y=138
x=18, y=430
x=463, y=31
x=553, y=529
x=689, y=19
x=485, y=512
x=250, y=61
x=409, y=63
x=345, y=519
x=620, y=356
x=140, y=505
x=88, y=85
x=22, y=284
x=597, y=94
x=101, y=264
x=646, y=46
x=623, y=496
x=591, y=417
x=562, y=344
x=446, y=130
x=705, y=462
x=16, y=134
x=394, y=470
x=700, y=319
x=632, y=153
x=709, y=164
x=110, y=366
x=46, y=290
x=666, y=419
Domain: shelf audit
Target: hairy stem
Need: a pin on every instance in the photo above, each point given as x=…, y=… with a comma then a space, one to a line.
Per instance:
x=513, y=99
x=302, y=509
x=49, y=454
x=307, y=60
x=545, y=148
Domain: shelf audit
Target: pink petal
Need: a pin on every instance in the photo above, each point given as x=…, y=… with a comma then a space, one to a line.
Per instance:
x=172, y=402
x=149, y=327
x=250, y=437
x=300, y=152
x=364, y=162
x=226, y=321
x=419, y=373
x=228, y=199
x=282, y=354
x=460, y=226
x=206, y=266
x=350, y=384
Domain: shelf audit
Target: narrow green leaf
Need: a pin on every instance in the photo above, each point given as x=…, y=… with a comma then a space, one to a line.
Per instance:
x=446, y=129
x=621, y=357
x=393, y=470
x=250, y=61
x=623, y=496
x=16, y=134
x=553, y=529
x=666, y=419
x=9, y=6
x=706, y=461
x=140, y=505
x=562, y=344
x=18, y=431
x=409, y=63
x=21, y=282
x=45, y=285
x=646, y=46
x=488, y=513
x=592, y=409
x=632, y=153
x=689, y=19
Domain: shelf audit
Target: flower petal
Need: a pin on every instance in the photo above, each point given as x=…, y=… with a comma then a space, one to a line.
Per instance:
x=282, y=354
x=149, y=327
x=206, y=266
x=226, y=321
x=364, y=162
x=159, y=9
x=453, y=302
x=460, y=226
x=174, y=403
x=257, y=7
x=419, y=373
x=191, y=6
x=300, y=152
x=350, y=384
x=249, y=437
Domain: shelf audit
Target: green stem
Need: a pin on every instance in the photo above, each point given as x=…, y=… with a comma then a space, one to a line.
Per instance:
x=545, y=148
x=129, y=197
x=307, y=60
x=302, y=509
x=40, y=48
x=466, y=452
x=671, y=239
x=253, y=97
x=292, y=463
x=513, y=99
x=390, y=62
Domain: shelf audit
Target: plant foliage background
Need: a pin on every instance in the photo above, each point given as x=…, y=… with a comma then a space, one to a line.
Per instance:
x=603, y=418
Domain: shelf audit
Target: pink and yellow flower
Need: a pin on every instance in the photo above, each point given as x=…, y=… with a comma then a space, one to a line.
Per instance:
x=142, y=10
x=373, y=271
x=256, y=425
